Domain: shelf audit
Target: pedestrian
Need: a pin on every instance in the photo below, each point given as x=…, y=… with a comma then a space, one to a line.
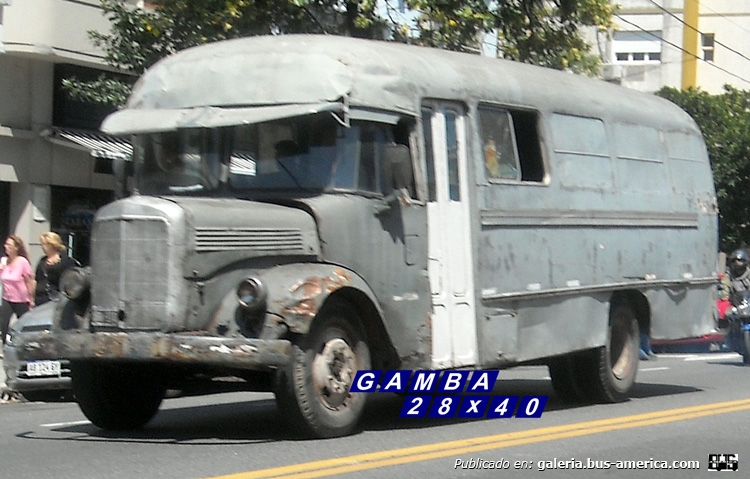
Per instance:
x=18, y=282
x=50, y=268
x=646, y=353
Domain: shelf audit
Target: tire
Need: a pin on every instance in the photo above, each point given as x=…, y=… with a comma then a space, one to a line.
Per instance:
x=608, y=373
x=746, y=347
x=116, y=396
x=313, y=391
x=566, y=382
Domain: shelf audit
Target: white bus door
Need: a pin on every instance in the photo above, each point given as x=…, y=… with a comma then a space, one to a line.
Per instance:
x=454, y=339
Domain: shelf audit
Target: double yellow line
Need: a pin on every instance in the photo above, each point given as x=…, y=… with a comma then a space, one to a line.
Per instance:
x=342, y=465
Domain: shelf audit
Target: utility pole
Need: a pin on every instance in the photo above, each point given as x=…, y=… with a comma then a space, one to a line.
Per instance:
x=690, y=43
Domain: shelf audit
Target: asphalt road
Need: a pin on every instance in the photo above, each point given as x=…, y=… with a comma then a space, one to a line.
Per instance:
x=683, y=409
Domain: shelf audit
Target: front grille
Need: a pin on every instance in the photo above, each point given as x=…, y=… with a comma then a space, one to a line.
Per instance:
x=281, y=240
x=130, y=284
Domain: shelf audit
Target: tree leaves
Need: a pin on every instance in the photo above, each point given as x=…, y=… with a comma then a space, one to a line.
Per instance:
x=543, y=32
x=725, y=122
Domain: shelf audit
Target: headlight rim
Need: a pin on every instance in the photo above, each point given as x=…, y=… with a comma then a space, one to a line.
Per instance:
x=259, y=296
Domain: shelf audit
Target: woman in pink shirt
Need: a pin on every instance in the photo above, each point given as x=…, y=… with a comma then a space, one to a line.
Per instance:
x=18, y=280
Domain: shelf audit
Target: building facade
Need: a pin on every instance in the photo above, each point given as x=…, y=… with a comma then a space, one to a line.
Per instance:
x=54, y=170
x=649, y=48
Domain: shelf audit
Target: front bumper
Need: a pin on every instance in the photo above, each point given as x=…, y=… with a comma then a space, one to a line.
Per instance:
x=253, y=354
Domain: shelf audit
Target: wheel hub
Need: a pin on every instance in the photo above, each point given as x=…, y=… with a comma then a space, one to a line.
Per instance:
x=333, y=371
x=621, y=353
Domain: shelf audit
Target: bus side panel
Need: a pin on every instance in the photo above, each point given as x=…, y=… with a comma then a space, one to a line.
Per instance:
x=682, y=312
x=616, y=213
x=543, y=327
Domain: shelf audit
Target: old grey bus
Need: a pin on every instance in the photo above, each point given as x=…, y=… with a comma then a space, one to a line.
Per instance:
x=305, y=207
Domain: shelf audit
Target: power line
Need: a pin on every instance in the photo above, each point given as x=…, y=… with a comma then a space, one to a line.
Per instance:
x=682, y=49
x=696, y=30
x=719, y=14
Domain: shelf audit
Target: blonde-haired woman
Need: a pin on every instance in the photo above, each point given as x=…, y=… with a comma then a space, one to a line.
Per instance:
x=18, y=282
x=50, y=268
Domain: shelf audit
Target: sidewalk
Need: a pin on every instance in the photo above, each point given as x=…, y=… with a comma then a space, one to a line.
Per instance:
x=6, y=396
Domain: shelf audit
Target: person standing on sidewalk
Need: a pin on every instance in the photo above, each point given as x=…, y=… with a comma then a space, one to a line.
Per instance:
x=18, y=282
x=50, y=268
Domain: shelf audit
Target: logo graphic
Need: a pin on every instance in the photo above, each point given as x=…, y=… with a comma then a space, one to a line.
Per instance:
x=723, y=462
x=448, y=394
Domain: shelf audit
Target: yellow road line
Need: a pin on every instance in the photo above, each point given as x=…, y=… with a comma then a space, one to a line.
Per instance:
x=342, y=465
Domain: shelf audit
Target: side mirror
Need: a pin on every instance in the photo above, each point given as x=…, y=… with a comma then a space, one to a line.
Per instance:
x=398, y=168
x=122, y=168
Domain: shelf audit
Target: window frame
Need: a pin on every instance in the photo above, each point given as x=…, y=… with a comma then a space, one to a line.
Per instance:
x=532, y=166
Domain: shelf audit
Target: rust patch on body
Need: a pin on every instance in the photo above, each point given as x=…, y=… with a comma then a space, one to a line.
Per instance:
x=306, y=296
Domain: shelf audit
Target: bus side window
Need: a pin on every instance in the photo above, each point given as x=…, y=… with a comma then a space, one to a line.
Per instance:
x=510, y=143
x=498, y=144
x=368, y=159
x=525, y=128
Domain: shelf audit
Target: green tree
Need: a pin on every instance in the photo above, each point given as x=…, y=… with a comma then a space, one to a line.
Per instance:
x=544, y=32
x=725, y=122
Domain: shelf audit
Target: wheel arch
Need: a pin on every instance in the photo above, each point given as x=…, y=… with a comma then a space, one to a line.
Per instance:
x=308, y=288
x=383, y=353
x=639, y=304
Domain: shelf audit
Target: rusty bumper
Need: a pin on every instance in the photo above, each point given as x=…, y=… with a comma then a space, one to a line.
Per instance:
x=255, y=354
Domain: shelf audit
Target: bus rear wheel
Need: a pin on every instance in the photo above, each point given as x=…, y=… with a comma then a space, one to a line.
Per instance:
x=313, y=393
x=608, y=373
x=565, y=375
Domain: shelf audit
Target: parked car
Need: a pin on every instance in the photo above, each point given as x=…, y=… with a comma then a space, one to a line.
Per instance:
x=38, y=380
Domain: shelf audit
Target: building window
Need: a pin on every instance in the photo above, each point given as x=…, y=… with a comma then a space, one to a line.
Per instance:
x=707, y=41
x=77, y=113
x=637, y=47
x=4, y=210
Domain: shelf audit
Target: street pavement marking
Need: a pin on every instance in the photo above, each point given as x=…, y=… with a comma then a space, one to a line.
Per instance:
x=712, y=357
x=65, y=424
x=360, y=462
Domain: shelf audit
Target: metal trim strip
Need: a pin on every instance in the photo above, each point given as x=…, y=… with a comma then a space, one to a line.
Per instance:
x=644, y=284
x=595, y=218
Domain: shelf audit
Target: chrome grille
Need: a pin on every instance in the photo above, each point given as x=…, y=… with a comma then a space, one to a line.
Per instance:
x=130, y=259
x=282, y=240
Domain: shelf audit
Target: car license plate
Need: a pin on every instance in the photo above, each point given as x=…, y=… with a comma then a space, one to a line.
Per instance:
x=43, y=368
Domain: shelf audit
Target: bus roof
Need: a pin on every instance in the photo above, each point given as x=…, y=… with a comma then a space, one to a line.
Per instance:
x=255, y=79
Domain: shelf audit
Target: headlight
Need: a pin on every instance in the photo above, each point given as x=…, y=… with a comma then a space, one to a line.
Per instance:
x=74, y=282
x=251, y=293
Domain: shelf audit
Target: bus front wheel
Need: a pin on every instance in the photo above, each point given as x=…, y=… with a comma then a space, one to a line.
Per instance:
x=313, y=392
x=116, y=396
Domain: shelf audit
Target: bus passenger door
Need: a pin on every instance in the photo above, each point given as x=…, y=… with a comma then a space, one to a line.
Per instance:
x=454, y=339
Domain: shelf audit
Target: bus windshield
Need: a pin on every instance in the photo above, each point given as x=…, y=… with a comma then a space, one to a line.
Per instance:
x=303, y=154
x=181, y=162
